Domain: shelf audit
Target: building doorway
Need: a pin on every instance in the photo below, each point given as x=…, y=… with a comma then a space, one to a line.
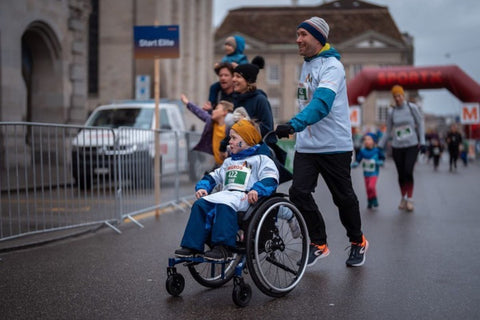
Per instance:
x=42, y=74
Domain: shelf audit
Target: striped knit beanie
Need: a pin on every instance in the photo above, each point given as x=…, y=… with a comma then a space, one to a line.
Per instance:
x=317, y=27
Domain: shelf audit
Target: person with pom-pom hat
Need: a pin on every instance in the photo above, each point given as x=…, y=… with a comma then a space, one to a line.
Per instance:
x=255, y=101
x=247, y=95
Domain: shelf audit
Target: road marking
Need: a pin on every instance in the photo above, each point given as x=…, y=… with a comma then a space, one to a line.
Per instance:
x=149, y=214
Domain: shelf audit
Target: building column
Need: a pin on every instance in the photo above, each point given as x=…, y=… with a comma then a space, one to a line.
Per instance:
x=79, y=11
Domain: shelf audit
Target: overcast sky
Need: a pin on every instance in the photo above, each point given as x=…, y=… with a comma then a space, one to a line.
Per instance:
x=445, y=33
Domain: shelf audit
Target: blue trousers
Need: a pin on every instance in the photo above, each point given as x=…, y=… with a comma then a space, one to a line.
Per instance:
x=214, y=220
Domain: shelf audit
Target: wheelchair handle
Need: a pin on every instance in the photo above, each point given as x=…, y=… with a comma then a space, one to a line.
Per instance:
x=264, y=139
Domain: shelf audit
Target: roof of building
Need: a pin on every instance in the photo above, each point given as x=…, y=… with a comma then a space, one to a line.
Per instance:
x=276, y=25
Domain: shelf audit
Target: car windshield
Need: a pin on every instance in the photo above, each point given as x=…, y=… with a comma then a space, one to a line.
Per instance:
x=140, y=118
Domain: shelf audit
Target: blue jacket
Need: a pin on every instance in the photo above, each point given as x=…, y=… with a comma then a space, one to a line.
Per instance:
x=237, y=56
x=370, y=157
x=215, y=94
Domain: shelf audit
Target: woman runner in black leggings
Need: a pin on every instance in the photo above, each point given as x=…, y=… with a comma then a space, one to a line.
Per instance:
x=406, y=127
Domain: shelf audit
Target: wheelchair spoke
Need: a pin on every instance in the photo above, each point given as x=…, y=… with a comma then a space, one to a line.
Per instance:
x=281, y=266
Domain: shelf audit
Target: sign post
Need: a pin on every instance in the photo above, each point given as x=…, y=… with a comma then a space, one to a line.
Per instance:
x=157, y=160
x=157, y=42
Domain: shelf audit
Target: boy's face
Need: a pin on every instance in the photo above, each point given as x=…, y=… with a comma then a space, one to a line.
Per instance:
x=229, y=48
x=236, y=142
x=218, y=113
x=368, y=142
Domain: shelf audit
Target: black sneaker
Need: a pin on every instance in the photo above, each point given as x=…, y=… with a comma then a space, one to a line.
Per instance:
x=218, y=253
x=357, y=253
x=186, y=252
x=316, y=252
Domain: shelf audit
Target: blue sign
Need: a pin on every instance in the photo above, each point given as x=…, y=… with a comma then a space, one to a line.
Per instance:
x=152, y=42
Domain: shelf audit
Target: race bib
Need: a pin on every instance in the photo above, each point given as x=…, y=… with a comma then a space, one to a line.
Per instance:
x=403, y=132
x=236, y=177
x=302, y=92
x=368, y=165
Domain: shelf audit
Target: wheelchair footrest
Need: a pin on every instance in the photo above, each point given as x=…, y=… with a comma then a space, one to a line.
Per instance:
x=198, y=259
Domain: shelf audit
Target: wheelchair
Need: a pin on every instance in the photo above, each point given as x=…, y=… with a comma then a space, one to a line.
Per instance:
x=266, y=248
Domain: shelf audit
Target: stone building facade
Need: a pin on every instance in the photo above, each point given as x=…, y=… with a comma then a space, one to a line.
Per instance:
x=42, y=59
x=59, y=59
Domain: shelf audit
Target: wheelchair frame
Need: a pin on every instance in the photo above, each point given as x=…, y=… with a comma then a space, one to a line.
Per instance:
x=268, y=251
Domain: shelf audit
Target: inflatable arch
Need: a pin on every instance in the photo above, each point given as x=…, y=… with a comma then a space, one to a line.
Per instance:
x=415, y=78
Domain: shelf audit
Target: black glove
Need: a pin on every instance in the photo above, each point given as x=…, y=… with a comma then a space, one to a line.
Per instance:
x=224, y=144
x=423, y=149
x=284, y=130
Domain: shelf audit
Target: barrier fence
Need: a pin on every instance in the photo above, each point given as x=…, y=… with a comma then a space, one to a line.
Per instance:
x=56, y=177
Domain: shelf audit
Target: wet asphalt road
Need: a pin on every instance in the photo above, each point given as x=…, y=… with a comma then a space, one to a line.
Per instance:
x=420, y=265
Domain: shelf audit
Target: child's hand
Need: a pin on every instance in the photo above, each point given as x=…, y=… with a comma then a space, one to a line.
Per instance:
x=252, y=196
x=234, y=65
x=380, y=163
x=223, y=155
x=201, y=193
x=354, y=164
x=184, y=98
x=207, y=106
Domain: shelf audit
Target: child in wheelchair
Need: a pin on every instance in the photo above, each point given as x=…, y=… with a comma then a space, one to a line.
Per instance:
x=249, y=173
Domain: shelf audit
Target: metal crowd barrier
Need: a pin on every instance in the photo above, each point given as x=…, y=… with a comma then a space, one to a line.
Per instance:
x=57, y=177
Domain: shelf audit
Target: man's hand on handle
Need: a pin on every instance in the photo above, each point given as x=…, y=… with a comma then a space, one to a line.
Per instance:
x=284, y=130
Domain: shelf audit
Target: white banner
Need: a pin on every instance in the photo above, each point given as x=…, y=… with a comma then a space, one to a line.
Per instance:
x=470, y=113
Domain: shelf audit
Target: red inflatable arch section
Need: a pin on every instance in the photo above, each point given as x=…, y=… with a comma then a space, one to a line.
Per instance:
x=435, y=77
x=415, y=78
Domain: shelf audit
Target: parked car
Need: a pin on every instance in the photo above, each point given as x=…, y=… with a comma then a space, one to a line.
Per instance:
x=123, y=133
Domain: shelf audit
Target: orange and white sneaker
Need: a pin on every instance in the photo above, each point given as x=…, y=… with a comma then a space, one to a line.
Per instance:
x=316, y=252
x=357, y=255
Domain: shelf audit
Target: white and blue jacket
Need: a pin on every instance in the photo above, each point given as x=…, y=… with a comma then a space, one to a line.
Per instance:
x=323, y=123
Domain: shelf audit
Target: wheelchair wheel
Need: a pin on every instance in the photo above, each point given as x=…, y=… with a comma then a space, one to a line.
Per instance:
x=209, y=274
x=276, y=255
x=175, y=284
x=241, y=294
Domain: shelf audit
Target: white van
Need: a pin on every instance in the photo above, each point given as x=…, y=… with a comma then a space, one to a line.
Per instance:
x=123, y=133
